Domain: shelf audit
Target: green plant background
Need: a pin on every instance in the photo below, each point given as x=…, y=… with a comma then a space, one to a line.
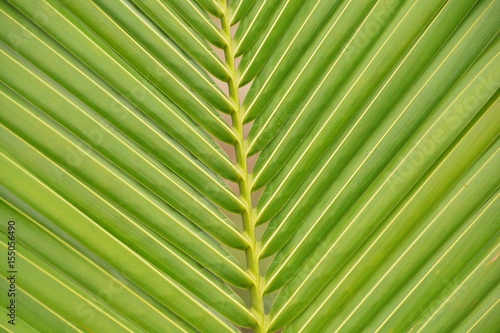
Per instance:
x=251, y=165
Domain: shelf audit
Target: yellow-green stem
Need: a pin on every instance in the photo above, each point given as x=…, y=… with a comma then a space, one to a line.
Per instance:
x=252, y=255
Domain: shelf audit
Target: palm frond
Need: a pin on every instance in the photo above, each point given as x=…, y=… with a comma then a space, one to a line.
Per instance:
x=374, y=126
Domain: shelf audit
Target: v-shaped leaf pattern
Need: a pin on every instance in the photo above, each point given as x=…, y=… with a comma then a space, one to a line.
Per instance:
x=250, y=165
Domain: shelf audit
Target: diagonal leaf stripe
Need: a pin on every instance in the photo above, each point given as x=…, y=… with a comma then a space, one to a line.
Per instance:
x=192, y=13
x=152, y=207
x=115, y=147
x=177, y=265
x=240, y=8
x=485, y=219
x=348, y=239
x=383, y=96
x=48, y=278
x=212, y=6
x=372, y=67
x=325, y=175
x=385, y=142
x=250, y=166
x=121, y=108
x=173, y=156
x=132, y=20
x=99, y=280
x=410, y=213
x=423, y=237
x=482, y=317
x=172, y=24
x=268, y=116
x=88, y=44
x=281, y=63
x=141, y=272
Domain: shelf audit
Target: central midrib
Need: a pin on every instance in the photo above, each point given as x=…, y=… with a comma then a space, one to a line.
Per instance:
x=241, y=149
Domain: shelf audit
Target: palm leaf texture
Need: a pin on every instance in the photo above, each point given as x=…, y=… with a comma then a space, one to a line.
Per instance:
x=251, y=165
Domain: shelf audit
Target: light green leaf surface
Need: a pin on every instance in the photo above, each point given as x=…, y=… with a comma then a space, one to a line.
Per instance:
x=250, y=165
x=389, y=185
x=123, y=114
x=254, y=24
x=93, y=273
x=57, y=103
x=212, y=6
x=197, y=47
x=276, y=65
x=239, y=9
x=191, y=12
x=402, y=121
x=484, y=316
x=83, y=42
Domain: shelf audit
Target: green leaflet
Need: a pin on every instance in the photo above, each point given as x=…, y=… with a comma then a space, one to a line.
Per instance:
x=357, y=227
x=78, y=156
x=88, y=47
x=212, y=6
x=57, y=102
x=109, y=248
x=143, y=96
x=154, y=65
x=96, y=278
x=425, y=92
x=398, y=177
x=240, y=9
x=41, y=277
x=123, y=114
x=158, y=252
x=483, y=317
x=197, y=47
x=410, y=215
x=390, y=46
x=447, y=263
x=251, y=165
x=254, y=24
x=21, y=325
x=282, y=62
x=339, y=55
